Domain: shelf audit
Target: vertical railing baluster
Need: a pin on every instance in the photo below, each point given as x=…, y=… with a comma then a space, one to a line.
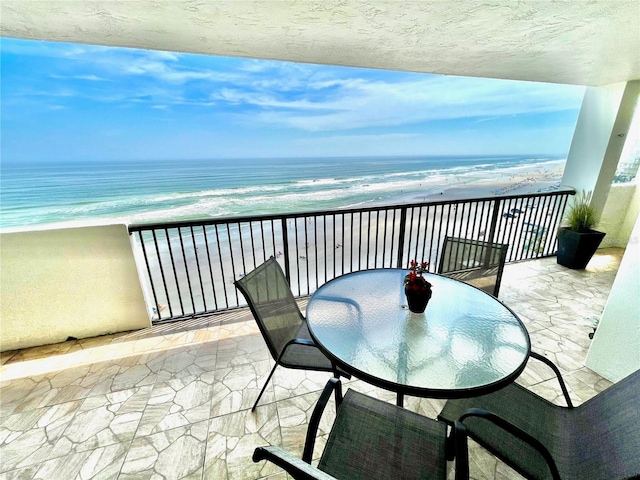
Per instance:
x=384, y=238
x=538, y=224
x=175, y=273
x=440, y=240
x=342, y=243
x=519, y=242
x=233, y=263
x=328, y=238
x=253, y=246
x=306, y=253
x=550, y=225
x=547, y=217
x=393, y=236
x=273, y=237
x=431, y=216
x=186, y=269
x=195, y=252
x=323, y=249
x=375, y=244
x=213, y=280
x=334, y=250
x=492, y=229
x=360, y=242
x=506, y=237
x=558, y=221
x=401, y=231
x=411, y=213
x=297, y=249
x=366, y=256
x=285, y=247
x=146, y=261
x=222, y=272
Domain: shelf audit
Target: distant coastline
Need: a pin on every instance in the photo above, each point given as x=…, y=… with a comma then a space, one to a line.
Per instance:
x=46, y=195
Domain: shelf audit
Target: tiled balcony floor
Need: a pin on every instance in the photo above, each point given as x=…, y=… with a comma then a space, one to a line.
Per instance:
x=173, y=401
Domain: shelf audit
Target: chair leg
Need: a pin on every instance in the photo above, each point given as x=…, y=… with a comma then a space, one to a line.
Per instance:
x=253, y=409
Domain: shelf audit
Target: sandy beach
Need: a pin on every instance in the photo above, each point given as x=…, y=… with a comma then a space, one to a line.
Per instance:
x=536, y=180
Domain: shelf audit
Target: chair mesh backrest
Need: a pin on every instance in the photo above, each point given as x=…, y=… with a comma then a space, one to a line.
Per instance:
x=464, y=254
x=471, y=260
x=269, y=296
x=604, y=432
x=374, y=439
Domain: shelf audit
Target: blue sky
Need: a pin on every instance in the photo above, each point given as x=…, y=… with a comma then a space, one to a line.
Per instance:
x=80, y=102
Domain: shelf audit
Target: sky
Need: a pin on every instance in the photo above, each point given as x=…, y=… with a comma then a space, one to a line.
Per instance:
x=81, y=102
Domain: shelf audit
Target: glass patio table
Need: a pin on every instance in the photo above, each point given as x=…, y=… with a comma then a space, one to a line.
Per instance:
x=466, y=343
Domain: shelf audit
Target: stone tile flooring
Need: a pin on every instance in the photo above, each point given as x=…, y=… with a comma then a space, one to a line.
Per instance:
x=173, y=401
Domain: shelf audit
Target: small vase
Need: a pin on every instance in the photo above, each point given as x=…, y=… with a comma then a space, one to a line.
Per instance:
x=417, y=300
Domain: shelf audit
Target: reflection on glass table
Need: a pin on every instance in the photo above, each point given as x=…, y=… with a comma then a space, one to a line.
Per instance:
x=466, y=343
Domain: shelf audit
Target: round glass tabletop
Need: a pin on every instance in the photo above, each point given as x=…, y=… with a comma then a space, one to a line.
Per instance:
x=465, y=343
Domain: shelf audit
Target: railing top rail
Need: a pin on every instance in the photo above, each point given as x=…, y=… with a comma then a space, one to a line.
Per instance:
x=372, y=208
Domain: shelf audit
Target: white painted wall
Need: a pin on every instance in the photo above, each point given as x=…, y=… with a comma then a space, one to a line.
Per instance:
x=615, y=349
x=619, y=214
x=75, y=282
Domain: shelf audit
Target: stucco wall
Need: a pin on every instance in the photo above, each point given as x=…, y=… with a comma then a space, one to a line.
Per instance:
x=76, y=282
x=619, y=214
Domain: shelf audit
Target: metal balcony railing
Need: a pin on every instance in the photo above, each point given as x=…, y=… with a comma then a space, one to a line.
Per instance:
x=191, y=266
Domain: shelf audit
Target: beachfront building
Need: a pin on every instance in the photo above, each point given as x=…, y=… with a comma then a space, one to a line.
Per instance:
x=593, y=44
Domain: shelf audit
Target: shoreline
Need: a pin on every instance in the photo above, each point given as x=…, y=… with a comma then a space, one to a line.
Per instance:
x=538, y=180
x=522, y=180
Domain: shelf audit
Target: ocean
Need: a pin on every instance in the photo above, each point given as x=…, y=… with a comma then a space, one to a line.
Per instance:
x=67, y=194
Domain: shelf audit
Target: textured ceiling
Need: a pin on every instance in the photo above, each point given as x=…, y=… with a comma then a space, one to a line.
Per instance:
x=575, y=41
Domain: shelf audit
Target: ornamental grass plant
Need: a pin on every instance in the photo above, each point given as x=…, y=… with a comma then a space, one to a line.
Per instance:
x=581, y=216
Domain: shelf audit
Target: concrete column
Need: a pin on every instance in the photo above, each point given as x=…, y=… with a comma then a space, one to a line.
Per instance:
x=601, y=130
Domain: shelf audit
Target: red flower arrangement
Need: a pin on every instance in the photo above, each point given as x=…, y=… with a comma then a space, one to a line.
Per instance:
x=415, y=281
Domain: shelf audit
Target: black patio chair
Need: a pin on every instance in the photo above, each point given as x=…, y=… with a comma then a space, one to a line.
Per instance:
x=599, y=439
x=474, y=262
x=372, y=439
x=281, y=323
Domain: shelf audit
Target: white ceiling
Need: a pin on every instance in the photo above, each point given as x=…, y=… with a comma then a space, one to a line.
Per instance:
x=586, y=42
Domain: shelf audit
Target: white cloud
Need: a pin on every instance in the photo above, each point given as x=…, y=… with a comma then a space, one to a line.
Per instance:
x=237, y=97
x=297, y=96
x=93, y=78
x=360, y=104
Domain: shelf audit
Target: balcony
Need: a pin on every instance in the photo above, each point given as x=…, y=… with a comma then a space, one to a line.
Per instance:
x=173, y=400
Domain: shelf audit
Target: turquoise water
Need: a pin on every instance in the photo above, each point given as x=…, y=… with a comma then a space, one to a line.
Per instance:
x=73, y=193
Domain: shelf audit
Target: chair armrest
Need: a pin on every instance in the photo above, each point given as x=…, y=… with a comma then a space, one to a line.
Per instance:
x=314, y=421
x=309, y=343
x=295, y=467
x=300, y=341
x=295, y=341
x=517, y=432
x=553, y=367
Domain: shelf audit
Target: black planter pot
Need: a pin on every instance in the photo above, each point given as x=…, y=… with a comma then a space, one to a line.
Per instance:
x=575, y=249
x=416, y=300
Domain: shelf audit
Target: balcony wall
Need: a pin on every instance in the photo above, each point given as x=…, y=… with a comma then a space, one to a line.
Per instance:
x=74, y=282
x=619, y=214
